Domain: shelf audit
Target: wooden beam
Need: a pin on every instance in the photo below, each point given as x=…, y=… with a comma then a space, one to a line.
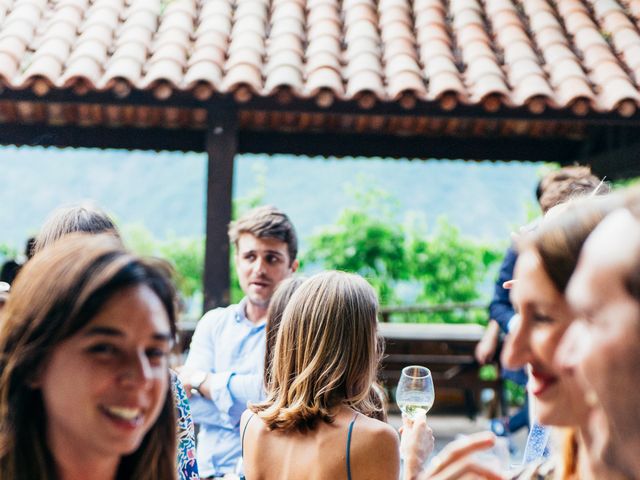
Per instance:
x=617, y=162
x=558, y=149
x=554, y=149
x=186, y=99
x=103, y=137
x=221, y=147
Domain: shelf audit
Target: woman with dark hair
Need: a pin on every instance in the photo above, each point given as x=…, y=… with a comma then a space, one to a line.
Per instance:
x=84, y=383
x=90, y=219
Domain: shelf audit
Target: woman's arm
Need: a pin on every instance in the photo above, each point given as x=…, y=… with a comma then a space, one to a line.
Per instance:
x=416, y=445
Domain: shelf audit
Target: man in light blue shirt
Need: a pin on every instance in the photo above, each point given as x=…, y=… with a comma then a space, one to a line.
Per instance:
x=224, y=368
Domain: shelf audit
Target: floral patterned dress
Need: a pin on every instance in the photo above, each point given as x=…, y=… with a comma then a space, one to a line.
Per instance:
x=186, y=461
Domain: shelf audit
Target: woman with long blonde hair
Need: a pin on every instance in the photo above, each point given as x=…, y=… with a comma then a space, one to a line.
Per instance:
x=325, y=361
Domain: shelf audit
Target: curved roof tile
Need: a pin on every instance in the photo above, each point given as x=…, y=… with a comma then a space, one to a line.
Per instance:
x=577, y=54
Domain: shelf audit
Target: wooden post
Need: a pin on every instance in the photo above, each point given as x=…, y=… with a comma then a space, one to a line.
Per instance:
x=222, y=145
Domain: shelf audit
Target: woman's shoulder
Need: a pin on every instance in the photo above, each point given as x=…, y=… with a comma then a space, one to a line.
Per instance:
x=371, y=434
x=375, y=430
x=375, y=449
x=245, y=419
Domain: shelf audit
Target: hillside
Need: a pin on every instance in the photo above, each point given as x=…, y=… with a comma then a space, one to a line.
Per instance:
x=165, y=191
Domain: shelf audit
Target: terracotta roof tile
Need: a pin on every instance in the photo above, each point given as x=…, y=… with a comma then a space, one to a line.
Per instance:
x=82, y=68
x=634, y=8
x=577, y=19
x=324, y=78
x=577, y=54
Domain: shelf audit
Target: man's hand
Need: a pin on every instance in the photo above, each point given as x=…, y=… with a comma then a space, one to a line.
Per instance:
x=487, y=346
x=194, y=381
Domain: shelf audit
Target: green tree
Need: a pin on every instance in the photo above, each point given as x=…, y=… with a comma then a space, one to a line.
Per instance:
x=185, y=254
x=449, y=267
x=365, y=239
x=442, y=265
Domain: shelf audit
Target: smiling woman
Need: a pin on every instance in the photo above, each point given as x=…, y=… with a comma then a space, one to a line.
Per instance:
x=83, y=356
x=546, y=261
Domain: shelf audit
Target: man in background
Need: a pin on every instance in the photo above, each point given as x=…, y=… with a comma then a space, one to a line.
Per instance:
x=224, y=367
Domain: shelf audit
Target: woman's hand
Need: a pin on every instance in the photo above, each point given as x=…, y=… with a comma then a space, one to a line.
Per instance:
x=416, y=444
x=456, y=461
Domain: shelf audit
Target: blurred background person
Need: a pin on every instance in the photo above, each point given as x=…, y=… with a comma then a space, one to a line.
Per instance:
x=601, y=348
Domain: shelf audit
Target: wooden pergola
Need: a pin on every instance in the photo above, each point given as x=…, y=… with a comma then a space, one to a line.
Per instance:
x=458, y=79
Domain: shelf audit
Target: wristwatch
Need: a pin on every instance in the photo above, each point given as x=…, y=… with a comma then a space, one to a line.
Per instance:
x=197, y=379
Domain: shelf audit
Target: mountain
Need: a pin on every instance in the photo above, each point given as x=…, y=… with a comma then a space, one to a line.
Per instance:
x=166, y=191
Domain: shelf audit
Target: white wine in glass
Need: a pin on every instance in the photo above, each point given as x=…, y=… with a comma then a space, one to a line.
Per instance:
x=415, y=391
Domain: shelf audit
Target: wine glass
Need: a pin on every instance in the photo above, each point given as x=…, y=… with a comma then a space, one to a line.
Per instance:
x=415, y=390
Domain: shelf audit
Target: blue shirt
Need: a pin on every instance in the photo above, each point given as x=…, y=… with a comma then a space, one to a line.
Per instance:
x=230, y=347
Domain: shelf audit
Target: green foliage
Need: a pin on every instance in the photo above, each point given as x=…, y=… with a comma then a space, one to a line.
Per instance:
x=627, y=182
x=405, y=261
x=185, y=254
x=8, y=251
x=515, y=393
x=488, y=373
x=366, y=239
x=450, y=268
x=442, y=265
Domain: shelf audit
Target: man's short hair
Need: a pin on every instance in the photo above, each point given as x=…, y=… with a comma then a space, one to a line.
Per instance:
x=266, y=222
x=562, y=174
x=561, y=191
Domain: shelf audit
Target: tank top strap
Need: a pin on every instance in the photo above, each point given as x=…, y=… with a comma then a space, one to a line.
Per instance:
x=244, y=430
x=349, y=446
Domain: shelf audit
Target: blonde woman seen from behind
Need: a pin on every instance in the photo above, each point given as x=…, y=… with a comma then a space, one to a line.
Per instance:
x=325, y=361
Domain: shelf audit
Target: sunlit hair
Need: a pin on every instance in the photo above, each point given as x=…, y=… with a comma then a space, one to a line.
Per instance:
x=326, y=352
x=278, y=302
x=632, y=282
x=570, y=189
x=558, y=240
x=374, y=404
x=562, y=174
x=569, y=455
x=75, y=218
x=266, y=222
x=56, y=294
